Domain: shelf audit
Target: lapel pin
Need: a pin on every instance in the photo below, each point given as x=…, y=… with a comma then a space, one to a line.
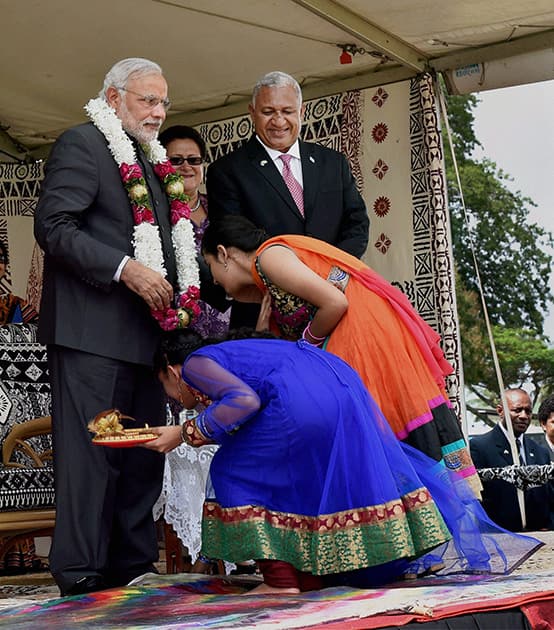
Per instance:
x=263, y=162
x=506, y=452
x=312, y=159
x=532, y=454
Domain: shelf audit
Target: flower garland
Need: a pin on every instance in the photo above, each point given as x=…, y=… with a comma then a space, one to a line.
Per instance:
x=146, y=237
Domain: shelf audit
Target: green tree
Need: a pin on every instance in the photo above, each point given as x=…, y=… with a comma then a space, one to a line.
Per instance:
x=513, y=266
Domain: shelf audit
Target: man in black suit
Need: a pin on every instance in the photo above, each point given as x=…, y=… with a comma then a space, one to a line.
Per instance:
x=492, y=450
x=545, y=415
x=251, y=180
x=95, y=319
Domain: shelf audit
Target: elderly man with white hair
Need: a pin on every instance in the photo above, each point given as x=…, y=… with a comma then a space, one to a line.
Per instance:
x=285, y=185
x=105, y=217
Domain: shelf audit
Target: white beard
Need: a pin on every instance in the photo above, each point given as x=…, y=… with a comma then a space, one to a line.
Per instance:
x=136, y=129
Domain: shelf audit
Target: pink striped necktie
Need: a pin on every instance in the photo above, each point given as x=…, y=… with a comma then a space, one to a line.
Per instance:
x=292, y=183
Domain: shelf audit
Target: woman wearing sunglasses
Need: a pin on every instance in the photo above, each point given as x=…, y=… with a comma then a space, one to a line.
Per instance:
x=184, y=487
x=186, y=150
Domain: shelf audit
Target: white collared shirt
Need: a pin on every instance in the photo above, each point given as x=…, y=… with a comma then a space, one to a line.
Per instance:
x=295, y=163
x=522, y=449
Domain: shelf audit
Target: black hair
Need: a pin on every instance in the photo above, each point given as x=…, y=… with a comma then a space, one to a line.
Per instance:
x=546, y=408
x=4, y=258
x=232, y=231
x=176, y=345
x=183, y=132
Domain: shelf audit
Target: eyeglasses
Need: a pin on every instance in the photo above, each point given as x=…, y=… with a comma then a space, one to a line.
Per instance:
x=177, y=160
x=149, y=100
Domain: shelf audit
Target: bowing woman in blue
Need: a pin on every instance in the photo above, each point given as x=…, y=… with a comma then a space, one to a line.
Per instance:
x=309, y=479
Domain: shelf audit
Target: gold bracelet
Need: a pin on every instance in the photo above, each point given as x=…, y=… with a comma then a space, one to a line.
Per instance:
x=192, y=435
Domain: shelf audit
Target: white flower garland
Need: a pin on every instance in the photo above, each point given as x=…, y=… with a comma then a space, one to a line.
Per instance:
x=146, y=237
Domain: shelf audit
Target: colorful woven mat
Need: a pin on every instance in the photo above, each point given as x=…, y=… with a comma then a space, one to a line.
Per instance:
x=193, y=601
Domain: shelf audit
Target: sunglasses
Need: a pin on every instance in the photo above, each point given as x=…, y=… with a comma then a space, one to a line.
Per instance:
x=177, y=160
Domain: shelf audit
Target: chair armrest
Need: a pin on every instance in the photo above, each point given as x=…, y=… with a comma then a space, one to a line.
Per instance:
x=15, y=440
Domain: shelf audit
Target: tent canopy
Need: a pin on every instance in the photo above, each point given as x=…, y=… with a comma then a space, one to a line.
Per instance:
x=56, y=53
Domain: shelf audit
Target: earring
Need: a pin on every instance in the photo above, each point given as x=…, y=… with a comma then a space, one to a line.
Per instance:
x=225, y=265
x=179, y=388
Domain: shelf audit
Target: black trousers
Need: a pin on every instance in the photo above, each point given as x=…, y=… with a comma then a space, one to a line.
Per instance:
x=104, y=496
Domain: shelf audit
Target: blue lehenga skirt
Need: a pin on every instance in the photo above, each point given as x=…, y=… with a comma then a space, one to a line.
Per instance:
x=325, y=485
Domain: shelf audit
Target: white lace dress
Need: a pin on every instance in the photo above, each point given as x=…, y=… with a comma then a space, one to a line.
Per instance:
x=183, y=492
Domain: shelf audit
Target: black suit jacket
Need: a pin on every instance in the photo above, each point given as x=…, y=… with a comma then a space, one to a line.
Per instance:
x=84, y=224
x=247, y=182
x=492, y=450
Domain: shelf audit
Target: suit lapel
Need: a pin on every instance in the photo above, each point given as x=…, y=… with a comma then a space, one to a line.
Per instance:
x=503, y=445
x=264, y=165
x=310, y=177
x=530, y=451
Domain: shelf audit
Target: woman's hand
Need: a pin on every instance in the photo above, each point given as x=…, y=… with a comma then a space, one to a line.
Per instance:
x=265, y=313
x=169, y=438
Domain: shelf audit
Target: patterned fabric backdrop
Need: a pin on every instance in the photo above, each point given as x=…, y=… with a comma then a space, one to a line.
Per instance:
x=19, y=189
x=391, y=137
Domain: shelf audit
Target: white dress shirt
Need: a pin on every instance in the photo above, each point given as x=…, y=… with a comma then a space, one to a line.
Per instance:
x=295, y=163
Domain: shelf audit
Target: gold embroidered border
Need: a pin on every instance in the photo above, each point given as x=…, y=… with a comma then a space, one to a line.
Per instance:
x=331, y=543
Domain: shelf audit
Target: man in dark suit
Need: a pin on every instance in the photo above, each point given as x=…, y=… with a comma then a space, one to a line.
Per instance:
x=492, y=450
x=252, y=180
x=95, y=319
x=545, y=415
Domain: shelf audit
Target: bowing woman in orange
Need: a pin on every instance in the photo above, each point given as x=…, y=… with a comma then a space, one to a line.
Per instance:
x=313, y=290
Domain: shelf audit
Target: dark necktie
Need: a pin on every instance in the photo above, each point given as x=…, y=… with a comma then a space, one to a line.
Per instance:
x=520, y=451
x=292, y=183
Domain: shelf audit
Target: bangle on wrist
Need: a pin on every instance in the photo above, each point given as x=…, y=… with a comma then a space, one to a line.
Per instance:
x=308, y=331
x=191, y=434
x=202, y=426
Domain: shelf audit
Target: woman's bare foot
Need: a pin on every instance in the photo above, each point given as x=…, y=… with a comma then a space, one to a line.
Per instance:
x=201, y=566
x=265, y=589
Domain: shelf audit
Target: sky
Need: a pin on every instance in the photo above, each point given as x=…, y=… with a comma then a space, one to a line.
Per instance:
x=516, y=128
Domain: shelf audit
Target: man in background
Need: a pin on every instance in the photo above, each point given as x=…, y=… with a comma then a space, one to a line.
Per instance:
x=546, y=419
x=492, y=450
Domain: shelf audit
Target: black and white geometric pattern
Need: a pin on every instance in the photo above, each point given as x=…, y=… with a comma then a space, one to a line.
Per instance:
x=26, y=488
x=24, y=386
x=19, y=189
x=522, y=477
x=434, y=295
x=24, y=395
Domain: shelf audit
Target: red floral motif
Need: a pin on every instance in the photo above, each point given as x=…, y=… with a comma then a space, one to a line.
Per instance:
x=380, y=169
x=163, y=169
x=380, y=97
x=371, y=515
x=143, y=215
x=383, y=243
x=135, y=184
x=179, y=210
x=130, y=171
x=189, y=300
x=379, y=132
x=381, y=206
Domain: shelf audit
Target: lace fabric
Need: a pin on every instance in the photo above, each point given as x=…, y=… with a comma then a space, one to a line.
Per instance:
x=186, y=475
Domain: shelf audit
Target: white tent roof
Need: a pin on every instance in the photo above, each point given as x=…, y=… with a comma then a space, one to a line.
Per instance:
x=55, y=53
